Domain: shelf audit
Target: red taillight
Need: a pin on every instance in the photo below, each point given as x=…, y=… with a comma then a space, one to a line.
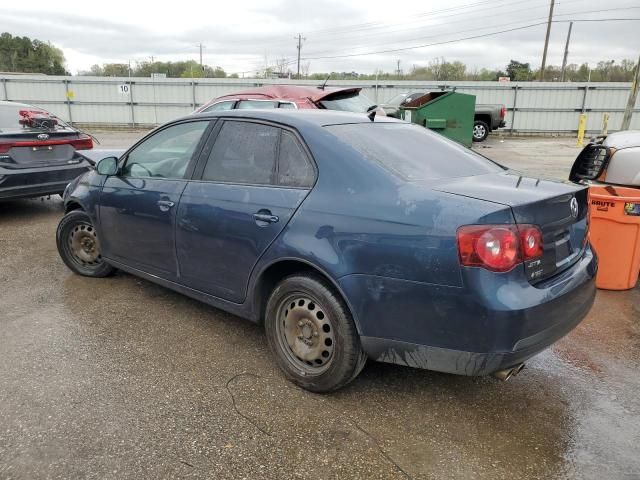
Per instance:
x=531, y=241
x=503, y=112
x=498, y=248
x=85, y=142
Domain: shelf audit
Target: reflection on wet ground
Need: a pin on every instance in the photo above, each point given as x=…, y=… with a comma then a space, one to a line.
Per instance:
x=118, y=377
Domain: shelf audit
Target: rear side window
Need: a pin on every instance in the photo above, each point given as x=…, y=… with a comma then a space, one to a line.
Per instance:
x=257, y=104
x=243, y=153
x=294, y=167
x=412, y=152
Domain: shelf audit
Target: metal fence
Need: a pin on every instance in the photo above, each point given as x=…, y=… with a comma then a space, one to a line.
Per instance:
x=533, y=107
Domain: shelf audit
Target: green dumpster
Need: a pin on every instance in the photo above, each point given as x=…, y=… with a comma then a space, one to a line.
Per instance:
x=448, y=113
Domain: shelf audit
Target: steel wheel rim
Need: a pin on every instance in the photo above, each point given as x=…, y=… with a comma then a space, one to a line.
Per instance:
x=84, y=246
x=478, y=131
x=305, y=333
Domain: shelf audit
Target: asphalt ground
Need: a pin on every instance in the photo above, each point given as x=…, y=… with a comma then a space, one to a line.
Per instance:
x=119, y=378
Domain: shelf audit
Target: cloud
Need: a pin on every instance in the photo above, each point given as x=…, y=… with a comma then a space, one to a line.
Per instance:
x=240, y=35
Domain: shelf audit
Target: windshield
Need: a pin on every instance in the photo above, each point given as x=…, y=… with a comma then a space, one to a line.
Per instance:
x=348, y=102
x=412, y=152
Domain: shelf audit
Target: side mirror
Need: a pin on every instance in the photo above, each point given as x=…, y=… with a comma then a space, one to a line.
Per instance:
x=107, y=166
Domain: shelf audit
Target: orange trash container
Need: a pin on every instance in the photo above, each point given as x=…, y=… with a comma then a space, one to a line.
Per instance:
x=614, y=233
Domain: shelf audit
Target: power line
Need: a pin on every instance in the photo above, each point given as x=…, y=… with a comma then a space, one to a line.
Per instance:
x=474, y=19
x=350, y=29
x=480, y=28
x=472, y=37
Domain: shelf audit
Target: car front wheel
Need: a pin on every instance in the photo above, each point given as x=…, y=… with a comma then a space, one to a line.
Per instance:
x=79, y=246
x=311, y=332
x=480, y=131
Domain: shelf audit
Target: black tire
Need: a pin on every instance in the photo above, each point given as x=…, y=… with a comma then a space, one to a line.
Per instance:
x=79, y=247
x=480, y=131
x=326, y=353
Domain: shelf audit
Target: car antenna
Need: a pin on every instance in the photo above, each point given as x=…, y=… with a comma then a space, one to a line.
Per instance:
x=325, y=82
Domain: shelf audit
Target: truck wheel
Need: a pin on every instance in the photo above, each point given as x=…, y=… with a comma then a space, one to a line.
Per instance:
x=312, y=335
x=480, y=131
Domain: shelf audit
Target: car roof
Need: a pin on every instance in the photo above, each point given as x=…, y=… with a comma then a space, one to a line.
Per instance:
x=9, y=103
x=297, y=118
x=289, y=92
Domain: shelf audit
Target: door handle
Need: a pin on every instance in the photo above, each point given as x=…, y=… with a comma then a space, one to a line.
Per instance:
x=165, y=205
x=265, y=216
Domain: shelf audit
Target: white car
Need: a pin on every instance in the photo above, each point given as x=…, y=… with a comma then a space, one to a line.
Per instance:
x=613, y=159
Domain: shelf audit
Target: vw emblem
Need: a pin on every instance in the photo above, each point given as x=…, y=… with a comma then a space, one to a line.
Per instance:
x=43, y=136
x=574, y=207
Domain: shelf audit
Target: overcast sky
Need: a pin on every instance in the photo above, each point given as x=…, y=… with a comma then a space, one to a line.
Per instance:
x=241, y=35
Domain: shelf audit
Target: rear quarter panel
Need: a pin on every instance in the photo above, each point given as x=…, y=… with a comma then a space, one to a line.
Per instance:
x=360, y=219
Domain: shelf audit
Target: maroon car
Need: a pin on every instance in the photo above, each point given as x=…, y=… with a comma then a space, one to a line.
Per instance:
x=293, y=96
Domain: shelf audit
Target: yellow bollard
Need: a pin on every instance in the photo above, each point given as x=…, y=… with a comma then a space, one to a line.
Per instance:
x=582, y=125
x=605, y=124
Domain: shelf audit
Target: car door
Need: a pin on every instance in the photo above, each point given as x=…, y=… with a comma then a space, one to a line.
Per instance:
x=253, y=178
x=137, y=207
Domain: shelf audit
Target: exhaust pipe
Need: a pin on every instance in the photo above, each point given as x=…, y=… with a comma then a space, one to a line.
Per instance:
x=507, y=373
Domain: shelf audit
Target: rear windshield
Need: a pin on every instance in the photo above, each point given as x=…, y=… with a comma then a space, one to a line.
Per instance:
x=348, y=102
x=412, y=152
x=10, y=117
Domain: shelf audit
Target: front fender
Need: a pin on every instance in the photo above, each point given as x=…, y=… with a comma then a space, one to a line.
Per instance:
x=84, y=191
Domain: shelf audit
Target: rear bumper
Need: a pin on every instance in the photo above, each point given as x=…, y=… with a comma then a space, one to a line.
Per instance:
x=475, y=330
x=35, y=182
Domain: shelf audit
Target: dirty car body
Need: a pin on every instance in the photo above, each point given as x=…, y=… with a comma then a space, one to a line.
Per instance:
x=39, y=154
x=391, y=217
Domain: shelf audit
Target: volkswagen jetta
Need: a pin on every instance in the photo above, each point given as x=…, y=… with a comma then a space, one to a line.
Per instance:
x=349, y=236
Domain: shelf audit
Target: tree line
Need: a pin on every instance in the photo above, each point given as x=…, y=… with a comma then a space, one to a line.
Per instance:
x=180, y=69
x=24, y=55
x=21, y=54
x=440, y=69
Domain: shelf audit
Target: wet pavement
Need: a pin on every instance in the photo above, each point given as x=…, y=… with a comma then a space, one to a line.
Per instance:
x=120, y=378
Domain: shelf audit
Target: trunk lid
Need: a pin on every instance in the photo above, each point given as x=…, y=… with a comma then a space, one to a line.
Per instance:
x=549, y=204
x=23, y=149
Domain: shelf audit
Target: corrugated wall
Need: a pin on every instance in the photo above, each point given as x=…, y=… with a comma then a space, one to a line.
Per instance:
x=532, y=106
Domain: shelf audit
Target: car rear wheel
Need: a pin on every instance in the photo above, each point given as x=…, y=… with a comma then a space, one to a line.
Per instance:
x=480, y=131
x=311, y=332
x=79, y=246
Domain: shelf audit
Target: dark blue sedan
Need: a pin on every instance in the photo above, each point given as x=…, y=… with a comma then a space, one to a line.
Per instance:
x=349, y=238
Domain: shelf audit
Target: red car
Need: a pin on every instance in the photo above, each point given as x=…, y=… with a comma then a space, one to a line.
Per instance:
x=293, y=96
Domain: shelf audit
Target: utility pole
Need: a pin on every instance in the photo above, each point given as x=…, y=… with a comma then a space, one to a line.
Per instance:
x=566, y=52
x=300, y=38
x=398, y=69
x=201, y=47
x=546, y=42
x=631, y=101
